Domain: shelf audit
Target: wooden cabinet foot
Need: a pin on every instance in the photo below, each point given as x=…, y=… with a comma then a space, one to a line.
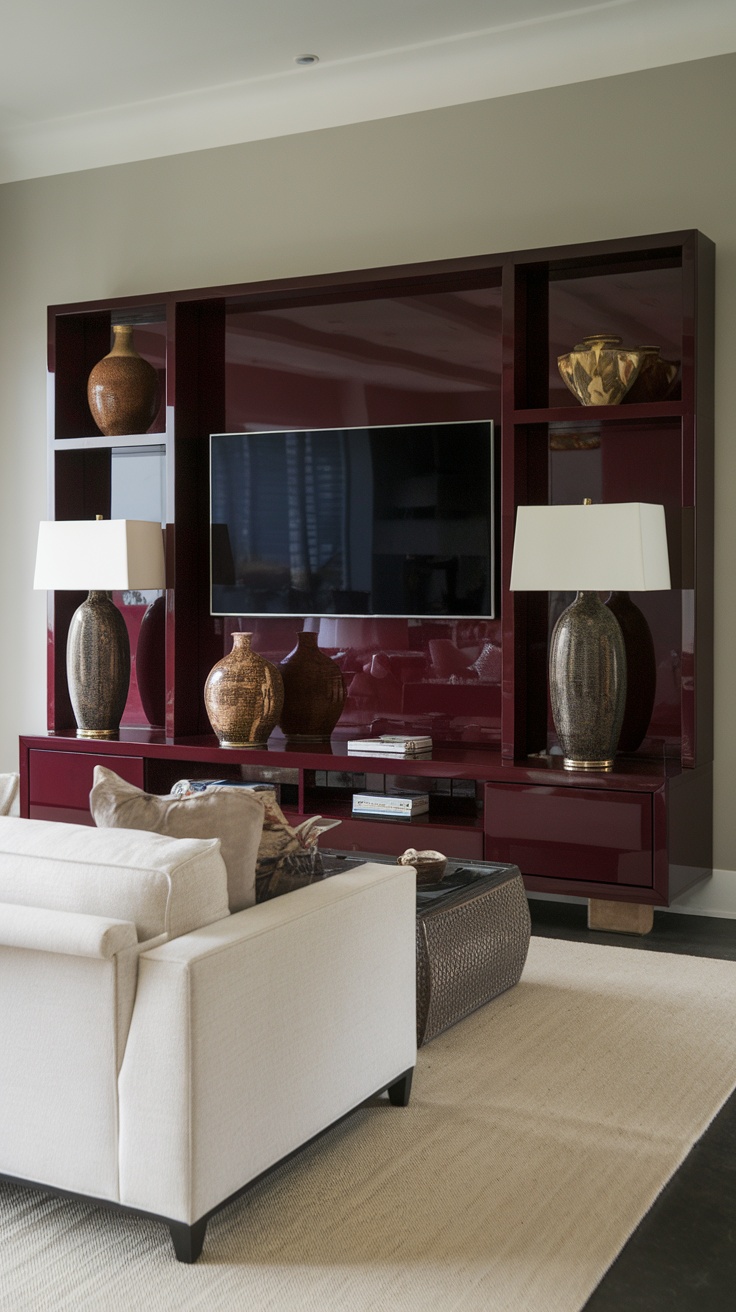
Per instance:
x=620, y=917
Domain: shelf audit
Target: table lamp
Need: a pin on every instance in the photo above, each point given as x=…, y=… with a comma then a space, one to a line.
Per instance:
x=99, y=555
x=589, y=549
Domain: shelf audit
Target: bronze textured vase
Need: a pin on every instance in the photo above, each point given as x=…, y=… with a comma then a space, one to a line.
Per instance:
x=98, y=666
x=243, y=694
x=314, y=692
x=641, y=670
x=122, y=389
x=600, y=371
x=587, y=683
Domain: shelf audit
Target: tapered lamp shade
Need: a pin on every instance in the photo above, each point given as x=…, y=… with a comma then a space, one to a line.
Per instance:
x=618, y=547
x=107, y=554
x=589, y=549
x=102, y=556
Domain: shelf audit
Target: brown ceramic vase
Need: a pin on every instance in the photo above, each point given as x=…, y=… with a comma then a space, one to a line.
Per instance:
x=314, y=692
x=244, y=694
x=122, y=389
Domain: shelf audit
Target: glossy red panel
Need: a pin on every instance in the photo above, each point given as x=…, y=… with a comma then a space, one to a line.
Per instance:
x=378, y=360
x=614, y=462
x=64, y=779
x=569, y=834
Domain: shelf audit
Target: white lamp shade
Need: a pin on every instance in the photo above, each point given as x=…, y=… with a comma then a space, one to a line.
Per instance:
x=620, y=547
x=99, y=554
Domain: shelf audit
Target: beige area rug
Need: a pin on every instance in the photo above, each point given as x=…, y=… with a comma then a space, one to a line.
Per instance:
x=540, y=1131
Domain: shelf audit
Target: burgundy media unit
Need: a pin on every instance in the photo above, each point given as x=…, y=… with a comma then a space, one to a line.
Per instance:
x=470, y=338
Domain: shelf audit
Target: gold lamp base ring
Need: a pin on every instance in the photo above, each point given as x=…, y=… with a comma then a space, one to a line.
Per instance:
x=569, y=763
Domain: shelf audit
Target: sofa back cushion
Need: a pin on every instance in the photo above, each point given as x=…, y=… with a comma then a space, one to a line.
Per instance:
x=233, y=815
x=163, y=885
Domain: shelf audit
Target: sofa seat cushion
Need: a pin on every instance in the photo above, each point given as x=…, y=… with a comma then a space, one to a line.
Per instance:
x=165, y=886
x=233, y=815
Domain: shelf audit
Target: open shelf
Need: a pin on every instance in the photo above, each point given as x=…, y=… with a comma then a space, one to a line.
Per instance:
x=591, y=414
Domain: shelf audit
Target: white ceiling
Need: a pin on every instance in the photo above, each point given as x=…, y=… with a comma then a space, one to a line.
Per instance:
x=85, y=83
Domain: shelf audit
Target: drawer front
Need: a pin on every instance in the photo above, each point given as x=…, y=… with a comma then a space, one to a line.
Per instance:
x=392, y=837
x=60, y=782
x=571, y=833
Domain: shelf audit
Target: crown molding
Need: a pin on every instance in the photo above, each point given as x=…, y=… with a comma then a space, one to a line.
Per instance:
x=608, y=39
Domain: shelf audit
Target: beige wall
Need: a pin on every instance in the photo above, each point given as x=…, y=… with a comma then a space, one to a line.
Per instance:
x=643, y=153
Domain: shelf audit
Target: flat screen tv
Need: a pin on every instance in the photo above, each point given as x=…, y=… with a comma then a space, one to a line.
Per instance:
x=381, y=521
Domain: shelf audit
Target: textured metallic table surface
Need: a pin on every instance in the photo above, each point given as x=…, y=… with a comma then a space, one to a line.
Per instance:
x=473, y=930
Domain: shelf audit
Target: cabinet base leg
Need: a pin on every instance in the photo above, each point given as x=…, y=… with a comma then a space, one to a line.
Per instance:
x=620, y=917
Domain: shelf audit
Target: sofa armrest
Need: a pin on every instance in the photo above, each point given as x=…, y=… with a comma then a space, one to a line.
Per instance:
x=252, y=1035
x=69, y=932
x=68, y=982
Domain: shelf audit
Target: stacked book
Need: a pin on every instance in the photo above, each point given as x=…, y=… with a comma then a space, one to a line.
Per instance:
x=399, y=745
x=400, y=805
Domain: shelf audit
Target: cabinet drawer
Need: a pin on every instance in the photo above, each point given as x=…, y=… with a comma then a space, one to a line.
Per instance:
x=61, y=782
x=571, y=833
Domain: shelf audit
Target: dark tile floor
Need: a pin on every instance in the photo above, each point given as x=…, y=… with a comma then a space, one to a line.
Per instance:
x=682, y=1258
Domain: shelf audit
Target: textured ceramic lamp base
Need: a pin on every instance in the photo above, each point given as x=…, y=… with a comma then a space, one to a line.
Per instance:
x=98, y=667
x=587, y=678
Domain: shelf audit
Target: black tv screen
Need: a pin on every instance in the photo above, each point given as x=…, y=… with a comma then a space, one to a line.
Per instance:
x=384, y=521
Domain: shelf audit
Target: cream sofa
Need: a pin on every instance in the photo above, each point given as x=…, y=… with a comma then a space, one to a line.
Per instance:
x=160, y=1054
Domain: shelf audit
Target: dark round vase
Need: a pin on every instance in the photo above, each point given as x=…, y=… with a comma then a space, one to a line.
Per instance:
x=641, y=670
x=122, y=389
x=243, y=694
x=314, y=692
x=150, y=663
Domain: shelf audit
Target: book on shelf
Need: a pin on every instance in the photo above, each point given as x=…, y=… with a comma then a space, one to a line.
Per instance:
x=406, y=804
x=389, y=744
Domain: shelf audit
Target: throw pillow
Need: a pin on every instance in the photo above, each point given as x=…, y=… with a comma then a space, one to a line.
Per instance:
x=233, y=815
x=9, y=794
x=288, y=856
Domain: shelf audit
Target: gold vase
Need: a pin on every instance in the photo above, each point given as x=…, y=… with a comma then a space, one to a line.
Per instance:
x=314, y=692
x=600, y=370
x=122, y=389
x=243, y=694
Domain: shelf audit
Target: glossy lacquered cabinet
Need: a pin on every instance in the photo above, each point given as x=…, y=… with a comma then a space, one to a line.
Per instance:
x=642, y=834
x=566, y=833
x=476, y=338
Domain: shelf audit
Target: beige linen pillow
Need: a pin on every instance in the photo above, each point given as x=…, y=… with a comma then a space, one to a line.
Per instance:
x=288, y=857
x=233, y=815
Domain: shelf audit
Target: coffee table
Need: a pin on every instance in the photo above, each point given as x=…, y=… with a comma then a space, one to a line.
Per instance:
x=473, y=930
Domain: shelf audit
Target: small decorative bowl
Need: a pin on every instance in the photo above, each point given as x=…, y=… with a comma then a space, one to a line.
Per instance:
x=600, y=371
x=430, y=866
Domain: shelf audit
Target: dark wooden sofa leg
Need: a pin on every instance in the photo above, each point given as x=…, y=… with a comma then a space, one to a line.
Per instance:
x=187, y=1239
x=400, y=1091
